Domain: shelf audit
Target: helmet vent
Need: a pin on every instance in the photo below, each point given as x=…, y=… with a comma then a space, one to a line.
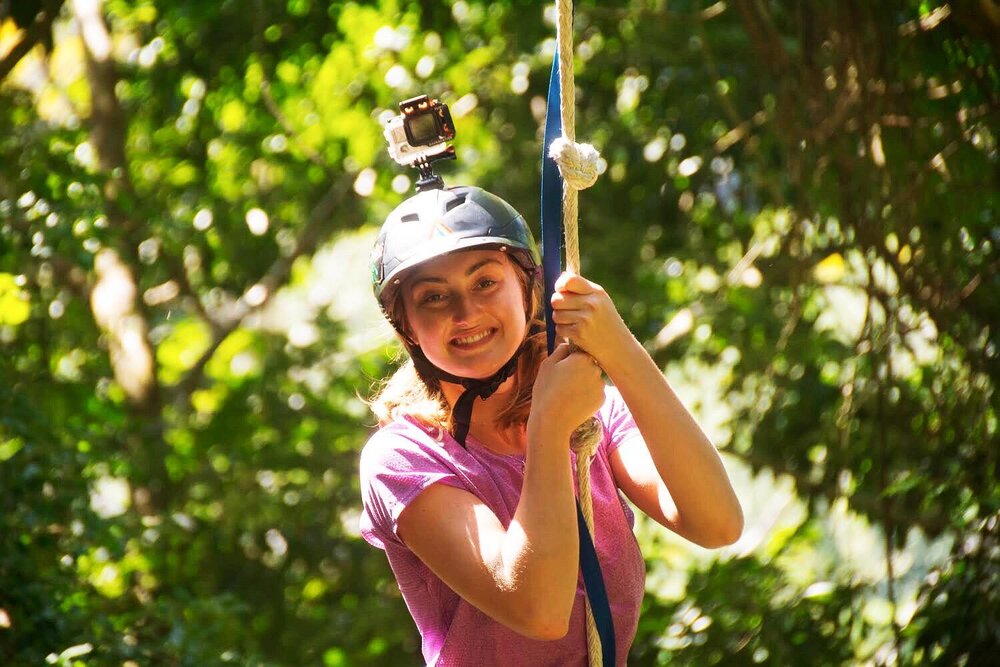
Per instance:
x=411, y=217
x=457, y=201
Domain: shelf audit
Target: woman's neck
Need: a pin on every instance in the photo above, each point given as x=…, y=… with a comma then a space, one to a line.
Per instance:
x=484, y=415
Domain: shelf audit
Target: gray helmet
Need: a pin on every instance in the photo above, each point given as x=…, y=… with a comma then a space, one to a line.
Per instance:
x=437, y=222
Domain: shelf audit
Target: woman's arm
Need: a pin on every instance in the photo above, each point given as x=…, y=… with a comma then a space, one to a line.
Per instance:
x=690, y=492
x=525, y=576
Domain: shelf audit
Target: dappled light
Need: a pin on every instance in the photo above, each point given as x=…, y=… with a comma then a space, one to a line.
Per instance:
x=796, y=215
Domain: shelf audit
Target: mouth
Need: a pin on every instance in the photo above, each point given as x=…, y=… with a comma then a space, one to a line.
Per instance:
x=473, y=340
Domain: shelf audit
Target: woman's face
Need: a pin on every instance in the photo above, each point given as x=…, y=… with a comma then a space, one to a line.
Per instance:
x=466, y=311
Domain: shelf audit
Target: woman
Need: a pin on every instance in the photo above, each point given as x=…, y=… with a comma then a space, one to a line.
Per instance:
x=468, y=486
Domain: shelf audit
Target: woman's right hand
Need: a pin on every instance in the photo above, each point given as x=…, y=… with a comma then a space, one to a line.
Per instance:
x=523, y=573
x=568, y=389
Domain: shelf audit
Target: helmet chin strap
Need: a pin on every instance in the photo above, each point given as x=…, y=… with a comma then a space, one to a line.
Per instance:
x=483, y=388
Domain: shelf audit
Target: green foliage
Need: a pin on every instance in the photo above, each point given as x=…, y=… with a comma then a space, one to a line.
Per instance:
x=746, y=613
x=799, y=203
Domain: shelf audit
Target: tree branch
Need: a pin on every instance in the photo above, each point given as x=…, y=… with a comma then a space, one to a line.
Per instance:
x=107, y=131
x=316, y=230
x=36, y=34
x=765, y=37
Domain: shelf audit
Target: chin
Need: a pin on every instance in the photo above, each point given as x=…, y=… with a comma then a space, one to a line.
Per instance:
x=477, y=372
x=474, y=369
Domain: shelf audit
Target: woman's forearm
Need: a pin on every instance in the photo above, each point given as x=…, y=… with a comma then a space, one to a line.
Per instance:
x=541, y=549
x=687, y=462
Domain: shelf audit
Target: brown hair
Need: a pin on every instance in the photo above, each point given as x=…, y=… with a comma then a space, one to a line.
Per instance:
x=409, y=393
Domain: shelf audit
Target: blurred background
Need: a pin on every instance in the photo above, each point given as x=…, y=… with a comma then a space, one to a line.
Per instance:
x=797, y=216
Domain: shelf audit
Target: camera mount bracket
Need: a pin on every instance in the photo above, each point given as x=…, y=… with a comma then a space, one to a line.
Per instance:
x=425, y=166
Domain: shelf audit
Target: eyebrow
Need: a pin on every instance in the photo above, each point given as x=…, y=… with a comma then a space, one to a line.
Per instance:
x=472, y=269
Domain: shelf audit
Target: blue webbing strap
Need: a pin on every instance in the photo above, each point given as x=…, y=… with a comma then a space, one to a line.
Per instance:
x=552, y=245
x=593, y=581
x=552, y=192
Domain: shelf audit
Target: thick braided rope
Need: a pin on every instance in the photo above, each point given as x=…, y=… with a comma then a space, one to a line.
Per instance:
x=584, y=443
x=578, y=167
x=577, y=162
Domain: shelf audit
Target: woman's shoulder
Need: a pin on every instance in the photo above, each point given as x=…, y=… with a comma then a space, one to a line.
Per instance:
x=405, y=443
x=405, y=428
x=613, y=402
x=616, y=418
x=398, y=462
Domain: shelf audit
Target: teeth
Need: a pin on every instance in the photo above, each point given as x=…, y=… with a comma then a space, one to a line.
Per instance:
x=469, y=340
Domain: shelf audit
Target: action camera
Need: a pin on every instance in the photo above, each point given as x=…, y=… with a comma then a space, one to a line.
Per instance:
x=419, y=136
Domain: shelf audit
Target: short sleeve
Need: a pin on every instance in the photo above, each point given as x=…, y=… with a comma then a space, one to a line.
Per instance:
x=619, y=425
x=397, y=463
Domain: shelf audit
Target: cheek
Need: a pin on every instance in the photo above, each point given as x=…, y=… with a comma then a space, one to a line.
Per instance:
x=415, y=326
x=419, y=329
x=517, y=306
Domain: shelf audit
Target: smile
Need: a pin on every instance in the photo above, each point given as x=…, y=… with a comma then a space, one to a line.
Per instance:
x=469, y=341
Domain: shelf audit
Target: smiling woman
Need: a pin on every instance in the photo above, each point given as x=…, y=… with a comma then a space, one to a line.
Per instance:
x=472, y=500
x=419, y=241
x=466, y=312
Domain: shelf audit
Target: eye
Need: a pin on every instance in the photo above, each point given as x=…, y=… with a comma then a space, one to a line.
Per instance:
x=485, y=283
x=432, y=298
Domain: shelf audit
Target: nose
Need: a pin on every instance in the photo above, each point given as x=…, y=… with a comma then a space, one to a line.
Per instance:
x=464, y=308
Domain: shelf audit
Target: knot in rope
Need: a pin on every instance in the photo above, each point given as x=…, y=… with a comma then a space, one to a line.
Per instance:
x=578, y=163
x=586, y=439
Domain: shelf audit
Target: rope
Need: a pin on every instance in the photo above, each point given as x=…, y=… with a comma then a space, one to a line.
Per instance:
x=584, y=442
x=578, y=165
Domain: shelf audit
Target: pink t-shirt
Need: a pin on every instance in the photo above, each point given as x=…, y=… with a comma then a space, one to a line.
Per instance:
x=404, y=458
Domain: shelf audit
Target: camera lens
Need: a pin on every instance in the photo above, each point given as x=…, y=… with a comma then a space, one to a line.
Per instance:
x=423, y=129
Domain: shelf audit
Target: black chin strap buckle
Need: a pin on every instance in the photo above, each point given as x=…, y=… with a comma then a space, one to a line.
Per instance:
x=462, y=413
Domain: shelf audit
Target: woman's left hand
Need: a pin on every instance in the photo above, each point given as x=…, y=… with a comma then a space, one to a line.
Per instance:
x=584, y=313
